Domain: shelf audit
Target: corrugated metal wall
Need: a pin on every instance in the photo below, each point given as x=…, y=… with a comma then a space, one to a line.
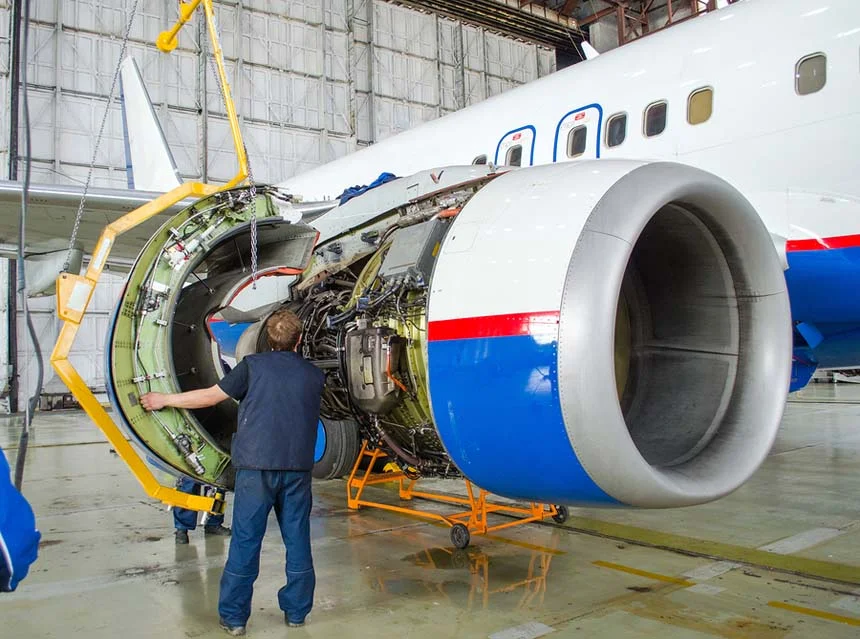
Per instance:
x=312, y=81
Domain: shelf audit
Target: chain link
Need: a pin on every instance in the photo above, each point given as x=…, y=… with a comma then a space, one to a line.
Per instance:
x=253, y=191
x=116, y=74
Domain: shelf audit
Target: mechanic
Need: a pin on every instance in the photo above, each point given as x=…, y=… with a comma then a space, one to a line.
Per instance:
x=185, y=520
x=273, y=453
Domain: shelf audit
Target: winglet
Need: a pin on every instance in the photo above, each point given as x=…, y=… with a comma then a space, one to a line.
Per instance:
x=149, y=162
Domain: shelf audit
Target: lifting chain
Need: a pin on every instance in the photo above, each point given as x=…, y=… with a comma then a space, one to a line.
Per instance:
x=253, y=191
x=116, y=73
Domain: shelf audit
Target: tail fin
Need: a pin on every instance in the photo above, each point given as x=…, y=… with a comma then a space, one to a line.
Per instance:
x=149, y=162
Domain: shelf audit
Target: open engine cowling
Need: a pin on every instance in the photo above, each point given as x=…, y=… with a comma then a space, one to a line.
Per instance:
x=611, y=332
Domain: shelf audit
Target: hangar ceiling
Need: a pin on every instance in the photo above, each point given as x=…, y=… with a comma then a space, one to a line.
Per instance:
x=562, y=24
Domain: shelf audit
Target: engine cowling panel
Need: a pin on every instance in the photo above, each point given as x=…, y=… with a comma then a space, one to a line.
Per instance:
x=158, y=340
x=707, y=328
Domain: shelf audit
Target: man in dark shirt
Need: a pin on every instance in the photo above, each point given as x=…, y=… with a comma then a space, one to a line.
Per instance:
x=273, y=453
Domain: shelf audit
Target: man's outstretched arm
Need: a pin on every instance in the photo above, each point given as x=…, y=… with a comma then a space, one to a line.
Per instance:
x=201, y=398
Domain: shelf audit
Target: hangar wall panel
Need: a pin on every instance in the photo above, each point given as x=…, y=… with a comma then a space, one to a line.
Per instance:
x=345, y=72
x=312, y=80
x=4, y=91
x=88, y=354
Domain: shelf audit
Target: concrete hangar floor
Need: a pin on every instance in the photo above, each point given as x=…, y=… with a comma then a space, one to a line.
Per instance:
x=779, y=558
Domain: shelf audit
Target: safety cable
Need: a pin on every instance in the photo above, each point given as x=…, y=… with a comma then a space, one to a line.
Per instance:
x=114, y=82
x=22, y=277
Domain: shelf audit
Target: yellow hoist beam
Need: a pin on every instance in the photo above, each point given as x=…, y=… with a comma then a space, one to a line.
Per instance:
x=74, y=292
x=167, y=42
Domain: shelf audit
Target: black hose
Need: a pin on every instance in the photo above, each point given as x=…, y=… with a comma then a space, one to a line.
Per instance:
x=334, y=320
x=397, y=449
x=22, y=279
x=385, y=295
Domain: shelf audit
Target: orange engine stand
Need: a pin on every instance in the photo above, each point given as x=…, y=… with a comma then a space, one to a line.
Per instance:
x=463, y=523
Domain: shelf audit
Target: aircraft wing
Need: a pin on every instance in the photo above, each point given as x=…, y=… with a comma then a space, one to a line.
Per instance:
x=52, y=214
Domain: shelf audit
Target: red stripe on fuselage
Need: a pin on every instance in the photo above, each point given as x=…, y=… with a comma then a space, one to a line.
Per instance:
x=546, y=322
x=823, y=243
x=508, y=325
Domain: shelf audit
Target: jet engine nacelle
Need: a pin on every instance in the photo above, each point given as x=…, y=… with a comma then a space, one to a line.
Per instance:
x=608, y=332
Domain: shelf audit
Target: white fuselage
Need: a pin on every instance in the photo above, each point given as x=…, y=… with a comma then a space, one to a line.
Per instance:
x=793, y=156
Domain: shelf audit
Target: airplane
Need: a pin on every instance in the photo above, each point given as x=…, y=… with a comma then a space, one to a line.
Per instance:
x=593, y=289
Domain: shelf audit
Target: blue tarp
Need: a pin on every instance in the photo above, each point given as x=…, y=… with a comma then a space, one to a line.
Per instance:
x=352, y=191
x=19, y=539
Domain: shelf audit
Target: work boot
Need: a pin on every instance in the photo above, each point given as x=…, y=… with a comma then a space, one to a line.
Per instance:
x=293, y=624
x=181, y=537
x=218, y=531
x=233, y=631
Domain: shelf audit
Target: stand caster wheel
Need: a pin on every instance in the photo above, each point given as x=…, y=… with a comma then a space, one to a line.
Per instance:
x=460, y=536
x=460, y=559
x=561, y=515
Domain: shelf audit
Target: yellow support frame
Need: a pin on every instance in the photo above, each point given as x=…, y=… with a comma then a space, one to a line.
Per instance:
x=74, y=292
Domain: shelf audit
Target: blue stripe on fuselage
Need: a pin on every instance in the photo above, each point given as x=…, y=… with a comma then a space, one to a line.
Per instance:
x=824, y=291
x=496, y=406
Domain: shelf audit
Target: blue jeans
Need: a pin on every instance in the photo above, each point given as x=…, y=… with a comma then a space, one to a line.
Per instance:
x=256, y=493
x=184, y=519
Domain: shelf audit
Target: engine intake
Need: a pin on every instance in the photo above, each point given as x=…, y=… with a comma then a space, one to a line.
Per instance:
x=649, y=359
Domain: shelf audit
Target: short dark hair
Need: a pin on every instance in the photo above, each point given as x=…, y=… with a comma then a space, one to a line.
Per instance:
x=283, y=329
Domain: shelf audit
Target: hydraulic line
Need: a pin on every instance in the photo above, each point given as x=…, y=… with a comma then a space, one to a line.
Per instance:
x=22, y=276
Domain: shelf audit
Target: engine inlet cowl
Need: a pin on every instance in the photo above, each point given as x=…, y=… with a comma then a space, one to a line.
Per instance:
x=612, y=332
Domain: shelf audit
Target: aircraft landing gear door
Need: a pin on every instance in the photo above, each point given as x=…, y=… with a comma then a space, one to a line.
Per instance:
x=577, y=135
x=516, y=148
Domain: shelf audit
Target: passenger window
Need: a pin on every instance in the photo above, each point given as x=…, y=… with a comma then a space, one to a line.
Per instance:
x=616, y=129
x=514, y=156
x=811, y=74
x=481, y=159
x=576, y=140
x=700, y=105
x=655, y=119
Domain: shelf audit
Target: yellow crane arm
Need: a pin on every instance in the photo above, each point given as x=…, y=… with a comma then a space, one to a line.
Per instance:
x=74, y=292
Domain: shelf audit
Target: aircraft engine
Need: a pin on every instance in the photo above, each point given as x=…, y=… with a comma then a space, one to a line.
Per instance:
x=607, y=332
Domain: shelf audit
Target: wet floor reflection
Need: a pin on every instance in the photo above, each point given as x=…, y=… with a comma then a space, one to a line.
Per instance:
x=197, y=583
x=492, y=574
x=501, y=572
x=524, y=574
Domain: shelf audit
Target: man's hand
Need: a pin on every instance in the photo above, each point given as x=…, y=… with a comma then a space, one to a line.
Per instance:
x=200, y=398
x=153, y=401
